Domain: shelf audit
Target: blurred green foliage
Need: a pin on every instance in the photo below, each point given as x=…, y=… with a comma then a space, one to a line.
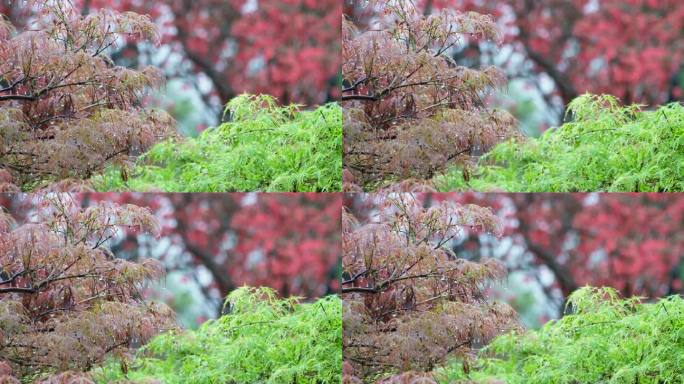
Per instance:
x=527, y=297
x=524, y=101
x=185, y=104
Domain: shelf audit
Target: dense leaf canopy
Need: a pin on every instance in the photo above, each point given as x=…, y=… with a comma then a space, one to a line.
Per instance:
x=66, y=111
x=409, y=302
x=606, y=340
x=607, y=147
x=65, y=302
x=262, y=339
x=264, y=147
x=410, y=111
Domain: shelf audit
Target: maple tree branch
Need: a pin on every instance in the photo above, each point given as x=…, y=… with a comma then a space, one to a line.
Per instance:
x=219, y=80
x=360, y=97
x=394, y=87
x=564, y=277
x=44, y=91
x=13, y=85
x=12, y=278
x=360, y=289
x=17, y=290
x=354, y=278
x=219, y=273
x=18, y=97
x=355, y=85
x=567, y=90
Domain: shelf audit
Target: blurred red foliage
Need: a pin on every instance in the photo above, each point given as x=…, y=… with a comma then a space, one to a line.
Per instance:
x=286, y=48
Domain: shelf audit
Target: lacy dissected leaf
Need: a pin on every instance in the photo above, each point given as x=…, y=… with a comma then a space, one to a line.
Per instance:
x=607, y=147
x=409, y=302
x=65, y=302
x=261, y=339
x=410, y=111
x=264, y=147
x=66, y=111
x=606, y=340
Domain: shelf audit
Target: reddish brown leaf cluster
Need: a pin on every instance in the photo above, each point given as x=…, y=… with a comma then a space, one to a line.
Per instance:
x=409, y=109
x=65, y=302
x=65, y=109
x=409, y=302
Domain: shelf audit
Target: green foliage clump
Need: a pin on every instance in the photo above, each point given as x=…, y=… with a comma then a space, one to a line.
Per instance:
x=265, y=147
x=262, y=339
x=607, y=147
x=606, y=340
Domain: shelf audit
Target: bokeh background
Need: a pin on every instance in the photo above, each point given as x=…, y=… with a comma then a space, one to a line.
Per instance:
x=212, y=50
x=553, y=244
x=555, y=50
x=211, y=244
